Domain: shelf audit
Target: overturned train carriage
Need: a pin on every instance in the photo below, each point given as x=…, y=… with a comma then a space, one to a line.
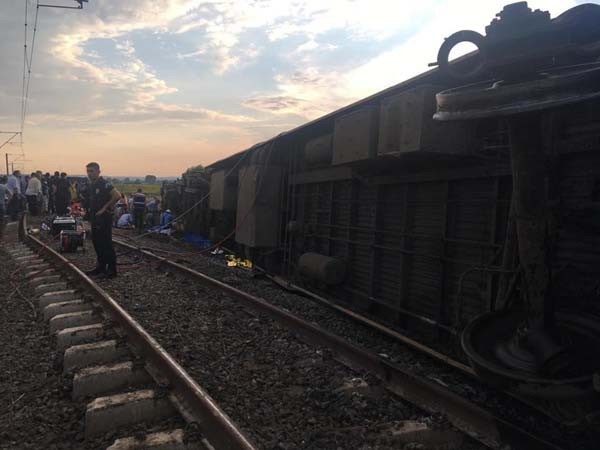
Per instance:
x=385, y=208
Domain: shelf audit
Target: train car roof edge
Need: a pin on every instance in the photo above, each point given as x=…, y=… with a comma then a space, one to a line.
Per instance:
x=232, y=159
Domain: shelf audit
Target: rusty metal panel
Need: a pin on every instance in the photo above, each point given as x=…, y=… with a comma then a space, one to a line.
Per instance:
x=318, y=151
x=425, y=207
x=258, y=206
x=195, y=202
x=428, y=252
x=413, y=257
x=392, y=263
x=223, y=191
x=340, y=218
x=477, y=218
x=355, y=136
x=407, y=125
x=362, y=237
x=577, y=252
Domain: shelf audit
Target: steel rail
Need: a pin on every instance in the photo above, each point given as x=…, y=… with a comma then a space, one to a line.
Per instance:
x=434, y=354
x=468, y=417
x=216, y=426
x=411, y=343
x=393, y=334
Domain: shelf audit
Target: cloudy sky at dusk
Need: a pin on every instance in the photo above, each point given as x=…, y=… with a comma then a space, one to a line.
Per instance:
x=155, y=86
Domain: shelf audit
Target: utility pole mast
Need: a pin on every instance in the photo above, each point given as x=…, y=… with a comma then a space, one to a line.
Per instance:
x=28, y=58
x=81, y=2
x=6, y=155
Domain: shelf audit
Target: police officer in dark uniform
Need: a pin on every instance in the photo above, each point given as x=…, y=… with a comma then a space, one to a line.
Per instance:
x=101, y=198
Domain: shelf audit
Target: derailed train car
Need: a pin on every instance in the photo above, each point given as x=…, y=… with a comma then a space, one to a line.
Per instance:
x=420, y=222
x=403, y=204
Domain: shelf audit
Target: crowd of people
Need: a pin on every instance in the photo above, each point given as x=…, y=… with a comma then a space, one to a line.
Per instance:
x=43, y=194
x=93, y=197
x=37, y=194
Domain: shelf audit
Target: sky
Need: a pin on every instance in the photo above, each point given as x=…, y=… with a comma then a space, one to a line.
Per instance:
x=156, y=86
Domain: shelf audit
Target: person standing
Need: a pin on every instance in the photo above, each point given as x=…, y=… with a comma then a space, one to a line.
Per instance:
x=73, y=191
x=45, y=193
x=84, y=194
x=14, y=188
x=102, y=197
x=139, y=209
x=152, y=212
x=33, y=193
x=120, y=209
x=52, y=192
x=63, y=195
x=4, y=196
x=24, y=180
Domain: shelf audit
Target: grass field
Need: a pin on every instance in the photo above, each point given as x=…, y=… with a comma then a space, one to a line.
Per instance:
x=130, y=188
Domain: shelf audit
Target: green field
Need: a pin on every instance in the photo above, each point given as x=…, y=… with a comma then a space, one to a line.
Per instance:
x=130, y=188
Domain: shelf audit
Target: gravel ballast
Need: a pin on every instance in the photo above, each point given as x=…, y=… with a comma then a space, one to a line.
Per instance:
x=283, y=393
x=368, y=338
x=36, y=409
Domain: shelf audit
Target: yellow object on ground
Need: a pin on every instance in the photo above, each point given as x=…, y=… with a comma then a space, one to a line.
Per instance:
x=234, y=261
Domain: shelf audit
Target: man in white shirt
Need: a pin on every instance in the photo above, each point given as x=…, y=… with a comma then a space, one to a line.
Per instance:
x=13, y=184
x=34, y=193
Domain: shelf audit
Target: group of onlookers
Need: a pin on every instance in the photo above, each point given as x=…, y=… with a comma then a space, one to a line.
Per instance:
x=36, y=193
x=55, y=194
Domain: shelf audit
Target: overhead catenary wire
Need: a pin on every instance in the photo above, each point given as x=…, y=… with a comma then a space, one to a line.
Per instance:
x=25, y=62
x=30, y=62
x=28, y=56
x=7, y=141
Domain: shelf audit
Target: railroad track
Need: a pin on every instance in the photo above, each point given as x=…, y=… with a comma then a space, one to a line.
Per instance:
x=193, y=403
x=467, y=416
x=380, y=339
x=109, y=355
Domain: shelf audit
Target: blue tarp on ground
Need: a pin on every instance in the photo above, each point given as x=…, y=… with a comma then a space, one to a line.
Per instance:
x=196, y=240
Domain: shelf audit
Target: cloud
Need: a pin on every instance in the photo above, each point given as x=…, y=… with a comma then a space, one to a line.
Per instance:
x=133, y=77
x=312, y=90
x=92, y=132
x=156, y=113
x=277, y=104
x=219, y=74
x=194, y=54
x=308, y=93
x=412, y=56
x=225, y=22
x=162, y=112
x=312, y=46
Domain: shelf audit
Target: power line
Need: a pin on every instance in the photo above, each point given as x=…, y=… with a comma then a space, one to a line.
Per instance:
x=37, y=11
x=28, y=55
x=14, y=135
x=25, y=60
